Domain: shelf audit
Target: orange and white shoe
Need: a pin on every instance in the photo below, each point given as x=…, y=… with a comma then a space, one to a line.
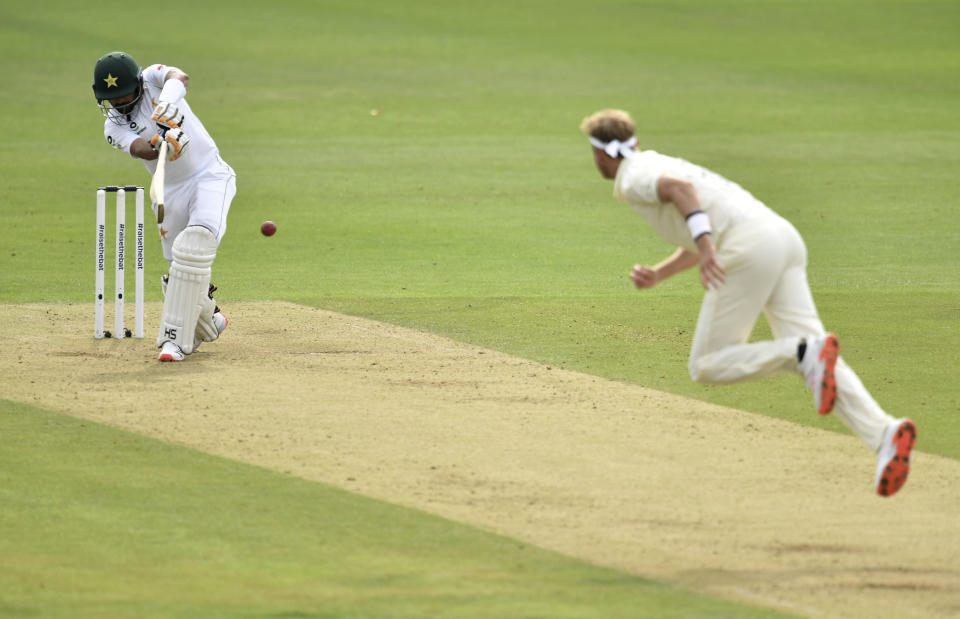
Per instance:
x=171, y=352
x=893, y=460
x=818, y=366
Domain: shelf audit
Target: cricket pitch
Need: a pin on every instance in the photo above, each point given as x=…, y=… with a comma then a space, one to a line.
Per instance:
x=721, y=501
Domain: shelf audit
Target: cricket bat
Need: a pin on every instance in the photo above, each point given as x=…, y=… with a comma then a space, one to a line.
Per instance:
x=156, y=185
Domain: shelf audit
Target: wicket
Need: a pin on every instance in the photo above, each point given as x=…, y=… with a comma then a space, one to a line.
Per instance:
x=118, y=328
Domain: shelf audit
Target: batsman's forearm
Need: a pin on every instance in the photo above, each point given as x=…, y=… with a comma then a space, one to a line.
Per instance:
x=141, y=149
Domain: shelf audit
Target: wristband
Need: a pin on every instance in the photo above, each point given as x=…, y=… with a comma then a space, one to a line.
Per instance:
x=699, y=224
x=173, y=91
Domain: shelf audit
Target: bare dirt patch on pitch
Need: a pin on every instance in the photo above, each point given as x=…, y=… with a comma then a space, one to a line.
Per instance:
x=722, y=501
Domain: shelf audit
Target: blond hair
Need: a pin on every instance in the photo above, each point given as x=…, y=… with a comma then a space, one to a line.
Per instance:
x=607, y=125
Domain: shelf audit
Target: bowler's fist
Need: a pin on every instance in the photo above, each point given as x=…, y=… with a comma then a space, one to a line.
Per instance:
x=643, y=277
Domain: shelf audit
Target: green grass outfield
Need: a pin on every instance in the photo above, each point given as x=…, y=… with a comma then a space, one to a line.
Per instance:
x=126, y=526
x=470, y=207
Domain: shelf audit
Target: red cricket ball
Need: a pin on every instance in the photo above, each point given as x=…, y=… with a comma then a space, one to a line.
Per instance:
x=268, y=228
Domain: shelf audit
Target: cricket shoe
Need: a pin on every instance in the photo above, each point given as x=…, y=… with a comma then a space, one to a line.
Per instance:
x=818, y=366
x=893, y=461
x=220, y=321
x=171, y=352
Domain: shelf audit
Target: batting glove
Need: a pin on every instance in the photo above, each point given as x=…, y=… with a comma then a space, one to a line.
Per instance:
x=167, y=115
x=176, y=141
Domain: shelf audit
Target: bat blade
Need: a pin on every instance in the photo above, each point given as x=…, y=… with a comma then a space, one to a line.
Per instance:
x=156, y=185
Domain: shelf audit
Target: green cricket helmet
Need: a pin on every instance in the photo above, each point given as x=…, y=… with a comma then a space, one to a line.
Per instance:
x=117, y=75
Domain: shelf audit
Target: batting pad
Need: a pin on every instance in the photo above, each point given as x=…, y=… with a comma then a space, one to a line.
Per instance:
x=193, y=252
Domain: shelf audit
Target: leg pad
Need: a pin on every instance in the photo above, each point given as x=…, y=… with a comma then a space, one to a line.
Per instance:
x=193, y=252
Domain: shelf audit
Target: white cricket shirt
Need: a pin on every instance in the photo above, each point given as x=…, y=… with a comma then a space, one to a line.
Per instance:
x=200, y=154
x=725, y=202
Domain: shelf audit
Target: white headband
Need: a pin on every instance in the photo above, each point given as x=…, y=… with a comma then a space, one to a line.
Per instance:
x=616, y=148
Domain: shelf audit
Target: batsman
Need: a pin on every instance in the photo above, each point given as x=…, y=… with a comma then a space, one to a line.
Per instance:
x=146, y=114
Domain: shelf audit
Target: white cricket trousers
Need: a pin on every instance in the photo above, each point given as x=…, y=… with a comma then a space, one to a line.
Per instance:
x=203, y=200
x=766, y=270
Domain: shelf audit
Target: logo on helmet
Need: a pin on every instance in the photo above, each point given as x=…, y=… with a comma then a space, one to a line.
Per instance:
x=117, y=76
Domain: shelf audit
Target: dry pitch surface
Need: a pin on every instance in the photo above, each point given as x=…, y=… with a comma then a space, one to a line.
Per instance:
x=722, y=501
